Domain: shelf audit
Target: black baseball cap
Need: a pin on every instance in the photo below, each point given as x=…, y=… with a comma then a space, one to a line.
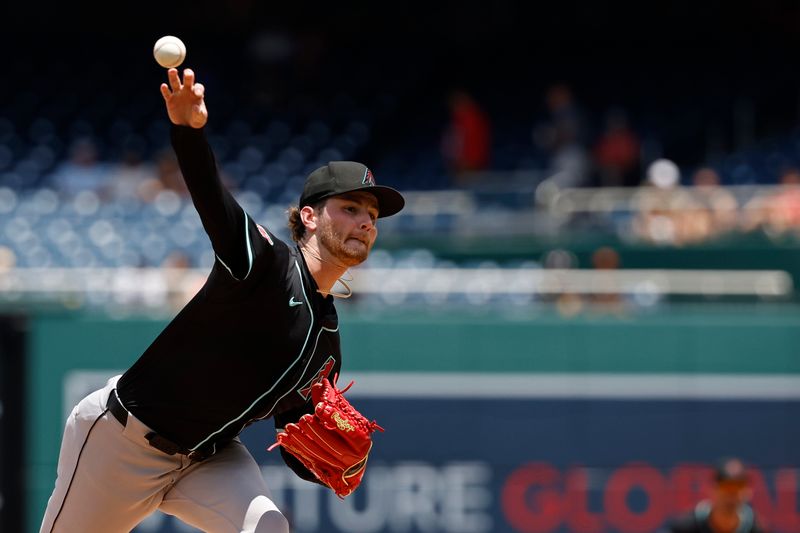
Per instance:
x=730, y=469
x=339, y=177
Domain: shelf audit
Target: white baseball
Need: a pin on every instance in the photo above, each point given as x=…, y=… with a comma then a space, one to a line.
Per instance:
x=169, y=51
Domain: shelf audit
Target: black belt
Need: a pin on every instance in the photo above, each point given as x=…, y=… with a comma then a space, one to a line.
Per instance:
x=156, y=441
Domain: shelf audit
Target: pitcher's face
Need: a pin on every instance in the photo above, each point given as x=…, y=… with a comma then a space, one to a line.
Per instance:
x=346, y=226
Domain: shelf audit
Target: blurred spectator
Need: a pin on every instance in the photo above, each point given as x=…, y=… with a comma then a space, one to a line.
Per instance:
x=8, y=259
x=727, y=510
x=133, y=177
x=562, y=138
x=778, y=212
x=169, y=173
x=691, y=214
x=168, y=177
x=656, y=221
x=567, y=303
x=680, y=216
x=182, y=282
x=466, y=143
x=82, y=171
x=616, y=153
x=176, y=259
x=608, y=298
x=720, y=206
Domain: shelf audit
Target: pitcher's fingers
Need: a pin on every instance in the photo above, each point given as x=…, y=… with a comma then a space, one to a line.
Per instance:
x=174, y=81
x=188, y=79
x=165, y=92
x=199, y=90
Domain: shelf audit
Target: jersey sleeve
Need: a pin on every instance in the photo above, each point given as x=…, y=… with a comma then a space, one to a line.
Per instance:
x=235, y=237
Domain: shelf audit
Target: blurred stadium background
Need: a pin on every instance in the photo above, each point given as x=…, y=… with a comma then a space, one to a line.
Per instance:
x=591, y=295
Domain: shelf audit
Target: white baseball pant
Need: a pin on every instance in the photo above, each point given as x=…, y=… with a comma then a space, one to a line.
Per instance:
x=109, y=479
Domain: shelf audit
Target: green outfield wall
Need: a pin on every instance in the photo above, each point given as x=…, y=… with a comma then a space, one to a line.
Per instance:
x=718, y=341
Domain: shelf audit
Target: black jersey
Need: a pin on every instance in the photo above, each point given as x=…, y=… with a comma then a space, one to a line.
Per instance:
x=253, y=340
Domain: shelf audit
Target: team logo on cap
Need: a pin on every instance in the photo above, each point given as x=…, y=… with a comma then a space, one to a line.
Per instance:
x=369, y=179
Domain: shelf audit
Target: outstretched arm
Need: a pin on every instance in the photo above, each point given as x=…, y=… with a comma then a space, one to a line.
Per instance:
x=231, y=232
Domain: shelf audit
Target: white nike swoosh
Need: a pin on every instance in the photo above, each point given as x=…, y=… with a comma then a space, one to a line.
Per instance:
x=293, y=303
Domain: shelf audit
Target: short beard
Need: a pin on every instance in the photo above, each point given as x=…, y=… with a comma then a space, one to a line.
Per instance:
x=334, y=243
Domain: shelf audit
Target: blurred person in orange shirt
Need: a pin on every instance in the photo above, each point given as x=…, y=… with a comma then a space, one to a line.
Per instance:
x=466, y=143
x=727, y=510
x=616, y=152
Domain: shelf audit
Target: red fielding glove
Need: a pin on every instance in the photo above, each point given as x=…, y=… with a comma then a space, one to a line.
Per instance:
x=334, y=442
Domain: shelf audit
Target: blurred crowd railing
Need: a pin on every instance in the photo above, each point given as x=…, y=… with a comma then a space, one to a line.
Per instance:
x=165, y=290
x=680, y=215
x=86, y=252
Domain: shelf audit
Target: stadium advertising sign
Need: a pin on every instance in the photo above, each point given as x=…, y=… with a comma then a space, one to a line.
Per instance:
x=543, y=466
x=508, y=463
